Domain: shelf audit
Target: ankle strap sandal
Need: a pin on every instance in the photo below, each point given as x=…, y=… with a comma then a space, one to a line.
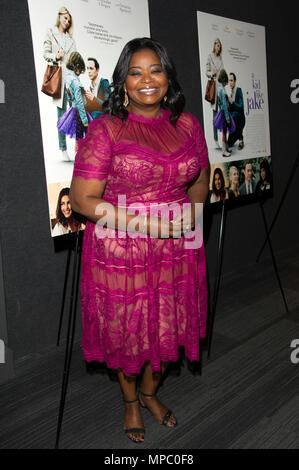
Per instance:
x=167, y=415
x=134, y=430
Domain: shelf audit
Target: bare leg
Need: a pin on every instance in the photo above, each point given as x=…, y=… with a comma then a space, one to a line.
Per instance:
x=150, y=382
x=133, y=418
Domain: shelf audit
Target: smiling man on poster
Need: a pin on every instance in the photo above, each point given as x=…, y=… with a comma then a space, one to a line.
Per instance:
x=99, y=87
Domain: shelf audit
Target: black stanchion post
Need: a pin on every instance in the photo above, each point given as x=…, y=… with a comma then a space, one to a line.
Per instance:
x=272, y=255
x=70, y=335
x=292, y=174
x=217, y=276
x=64, y=291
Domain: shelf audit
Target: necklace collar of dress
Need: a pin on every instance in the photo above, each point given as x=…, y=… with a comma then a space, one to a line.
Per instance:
x=153, y=120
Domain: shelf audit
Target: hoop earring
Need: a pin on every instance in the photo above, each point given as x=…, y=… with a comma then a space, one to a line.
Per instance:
x=126, y=102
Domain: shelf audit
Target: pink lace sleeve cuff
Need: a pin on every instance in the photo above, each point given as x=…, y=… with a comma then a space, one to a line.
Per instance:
x=201, y=145
x=94, y=154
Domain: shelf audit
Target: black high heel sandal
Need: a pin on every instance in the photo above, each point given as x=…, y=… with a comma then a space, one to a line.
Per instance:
x=167, y=415
x=134, y=430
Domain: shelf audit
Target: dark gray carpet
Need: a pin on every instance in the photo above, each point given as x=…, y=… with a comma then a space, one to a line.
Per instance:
x=246, y=397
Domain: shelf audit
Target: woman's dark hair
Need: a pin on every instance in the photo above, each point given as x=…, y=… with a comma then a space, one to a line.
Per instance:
x=76, y=63
x=223, y=77
x=175, y=98
x=221, y=192
x=266, y=166
x=75, y=220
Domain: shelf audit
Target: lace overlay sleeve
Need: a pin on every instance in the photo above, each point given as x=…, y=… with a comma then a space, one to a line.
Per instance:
x=201, y=145
x=94, y=154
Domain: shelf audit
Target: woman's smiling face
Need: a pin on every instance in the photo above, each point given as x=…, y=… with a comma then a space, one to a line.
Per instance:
x=65, y=21
x=217, y=47
x=217, y=182
x=66, y=207
x=146, y=82
x=263, y=174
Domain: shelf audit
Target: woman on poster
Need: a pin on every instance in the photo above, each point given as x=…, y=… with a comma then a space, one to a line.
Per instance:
x=57, y=48
x=219, y=192
x=213, y=66
x=265, y=182
x=234, y=181
x=66, y=220
x=143, y=294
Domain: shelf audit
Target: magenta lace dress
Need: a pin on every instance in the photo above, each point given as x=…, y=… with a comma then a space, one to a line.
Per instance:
x=142, y=298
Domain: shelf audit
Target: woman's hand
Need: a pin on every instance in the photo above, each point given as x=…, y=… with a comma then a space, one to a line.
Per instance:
x=158, y=227
x=187, y=221
x=190, y=219
x=60, y=54
x=89, y=95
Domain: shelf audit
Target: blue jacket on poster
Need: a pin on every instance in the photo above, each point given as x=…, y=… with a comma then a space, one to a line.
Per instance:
x=223, y=100
x=103, y=85
x=75, y=87
x=238, y=104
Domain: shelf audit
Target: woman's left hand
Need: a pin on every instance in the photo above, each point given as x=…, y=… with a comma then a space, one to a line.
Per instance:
x=189, y=219
x=89, y=95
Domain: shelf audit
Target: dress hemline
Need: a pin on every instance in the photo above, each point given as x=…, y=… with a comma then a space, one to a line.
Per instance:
x=136, y=369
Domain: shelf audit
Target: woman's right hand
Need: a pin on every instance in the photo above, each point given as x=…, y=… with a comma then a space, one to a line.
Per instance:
x=163, y=228
x=60, y=54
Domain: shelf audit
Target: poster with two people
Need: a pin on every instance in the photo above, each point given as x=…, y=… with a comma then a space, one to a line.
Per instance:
x=235, y=106
x=76, y=47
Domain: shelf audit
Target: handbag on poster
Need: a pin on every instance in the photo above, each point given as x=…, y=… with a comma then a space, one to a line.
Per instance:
x=210, y=91
x=52, y=79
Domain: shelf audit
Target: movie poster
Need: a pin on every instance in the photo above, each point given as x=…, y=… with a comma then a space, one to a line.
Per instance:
x=71, y=37
x=235, y=106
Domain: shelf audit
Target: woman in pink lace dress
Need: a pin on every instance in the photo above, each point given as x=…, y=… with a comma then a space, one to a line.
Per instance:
x=143, y=295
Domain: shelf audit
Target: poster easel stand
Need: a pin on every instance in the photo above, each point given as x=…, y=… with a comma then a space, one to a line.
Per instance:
x=292, y=174
x=217, y=276
x=71, y=326
x=219, y=266
x=262, y=202
x=71, y=248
